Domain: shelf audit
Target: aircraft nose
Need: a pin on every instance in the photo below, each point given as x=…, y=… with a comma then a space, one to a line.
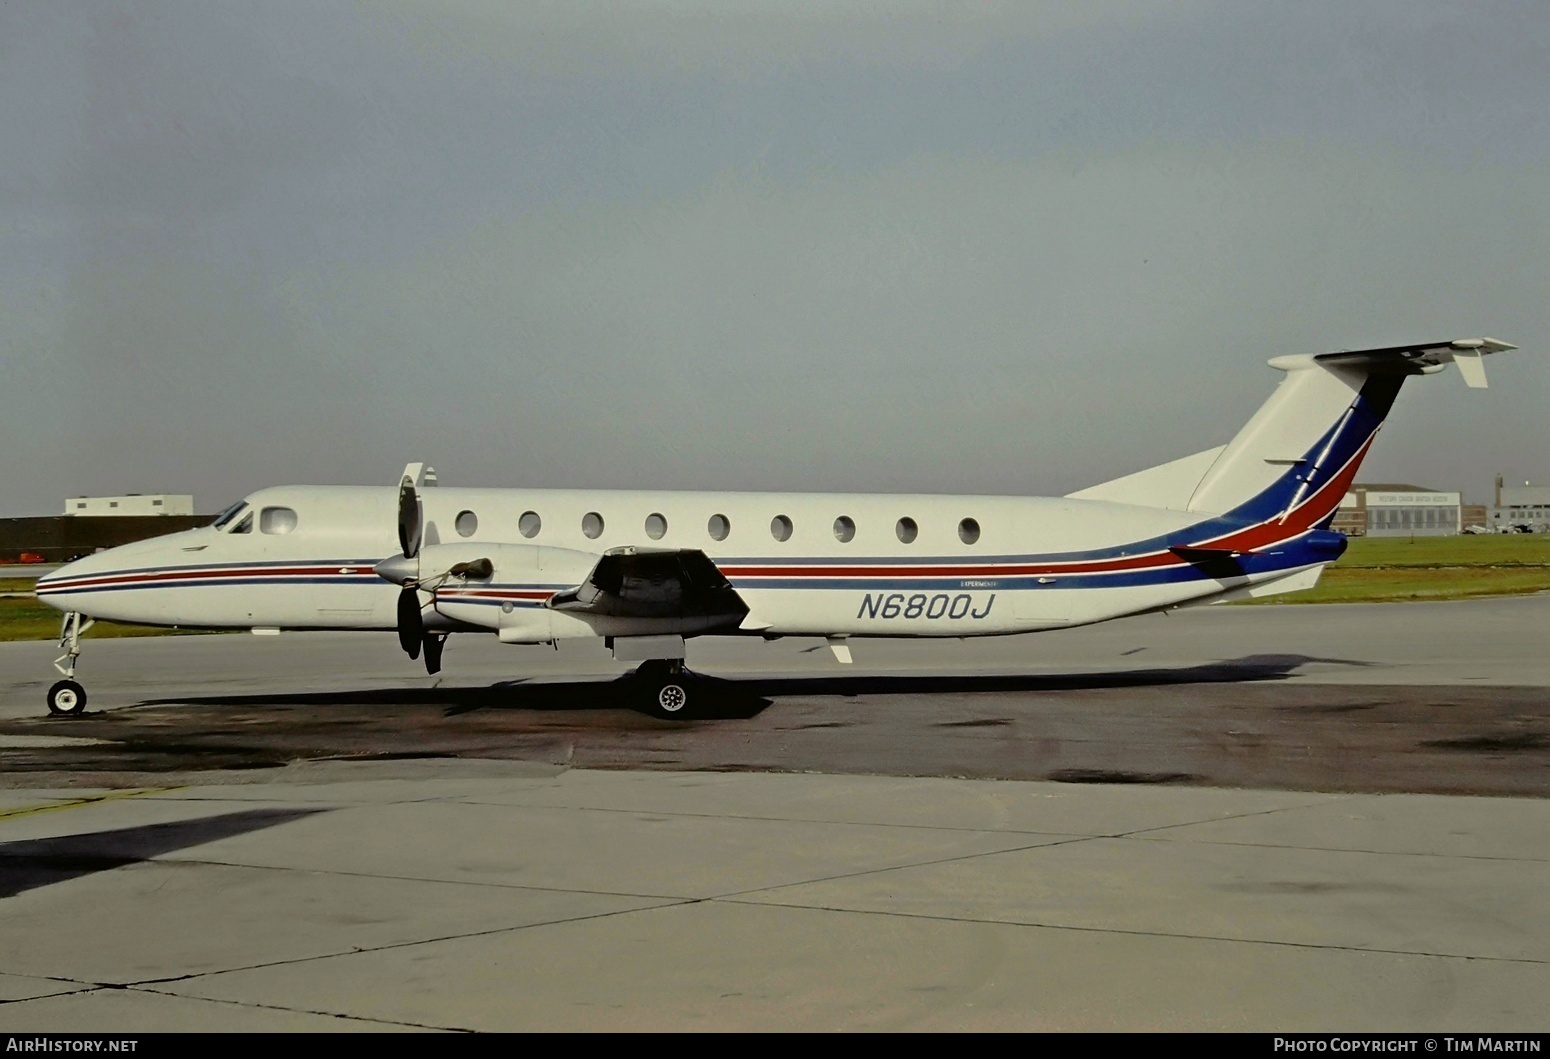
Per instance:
x=76, y=582
x=61, y=588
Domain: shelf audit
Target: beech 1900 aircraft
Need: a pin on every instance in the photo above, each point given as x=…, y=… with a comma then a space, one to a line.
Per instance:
x=646, y=570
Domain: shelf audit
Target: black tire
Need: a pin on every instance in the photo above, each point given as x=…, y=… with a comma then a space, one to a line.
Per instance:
x=672, y=698
x=669, y=699
x=66, y=699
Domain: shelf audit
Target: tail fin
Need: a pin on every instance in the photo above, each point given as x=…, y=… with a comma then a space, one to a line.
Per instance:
x=1296, y=458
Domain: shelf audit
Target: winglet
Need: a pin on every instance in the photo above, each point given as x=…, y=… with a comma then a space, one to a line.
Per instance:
x=1471, y=367
x=1467, y=353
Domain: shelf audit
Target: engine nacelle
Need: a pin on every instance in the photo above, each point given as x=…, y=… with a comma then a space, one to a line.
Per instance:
x=513, y=599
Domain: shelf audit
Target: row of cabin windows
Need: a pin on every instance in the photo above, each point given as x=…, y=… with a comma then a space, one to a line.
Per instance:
x=280, y=520
x=718, y=526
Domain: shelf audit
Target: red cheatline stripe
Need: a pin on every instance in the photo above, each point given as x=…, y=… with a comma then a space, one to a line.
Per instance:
x=97, y=580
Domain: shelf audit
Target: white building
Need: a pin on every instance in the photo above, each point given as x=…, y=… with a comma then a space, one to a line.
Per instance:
x=1521, y=505
x=1386, y=510
x=132, y=504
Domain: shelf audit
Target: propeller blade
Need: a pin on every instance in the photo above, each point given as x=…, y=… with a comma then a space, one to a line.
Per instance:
x=433, y=646
x=409, y=521
x=411, y=626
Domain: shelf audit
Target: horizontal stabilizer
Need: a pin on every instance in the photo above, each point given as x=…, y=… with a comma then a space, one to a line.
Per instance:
x=1417, y=359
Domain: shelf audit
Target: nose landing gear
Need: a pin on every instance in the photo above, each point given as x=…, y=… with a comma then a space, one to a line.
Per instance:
x=67, y=698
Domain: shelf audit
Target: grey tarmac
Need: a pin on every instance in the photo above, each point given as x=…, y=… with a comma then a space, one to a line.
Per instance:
x=1268, y=818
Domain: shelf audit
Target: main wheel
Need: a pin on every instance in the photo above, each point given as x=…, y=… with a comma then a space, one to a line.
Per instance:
x=67, y=699
x=672, y=699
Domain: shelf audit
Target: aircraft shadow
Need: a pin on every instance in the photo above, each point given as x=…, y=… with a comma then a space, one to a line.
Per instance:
x=1231, y=671
x=29, y=864
x=742, y=698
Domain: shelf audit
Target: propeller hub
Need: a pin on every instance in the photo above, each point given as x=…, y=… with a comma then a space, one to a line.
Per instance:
x=400, y=569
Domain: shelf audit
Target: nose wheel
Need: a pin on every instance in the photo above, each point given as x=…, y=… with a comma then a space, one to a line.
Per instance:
x=67, y=698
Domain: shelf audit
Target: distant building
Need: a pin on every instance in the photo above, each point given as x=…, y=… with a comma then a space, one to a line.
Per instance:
x=1387, y=509
x=131, y=504
x=60, y=538
x=1350, y=517
x=1519, y=507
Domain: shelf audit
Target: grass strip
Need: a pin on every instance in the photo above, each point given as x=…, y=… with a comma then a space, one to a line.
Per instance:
x=25, y=618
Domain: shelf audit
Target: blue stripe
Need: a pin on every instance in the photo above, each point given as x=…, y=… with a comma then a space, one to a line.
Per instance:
x=258, y=565
x=221, y=581
x=1314, y=547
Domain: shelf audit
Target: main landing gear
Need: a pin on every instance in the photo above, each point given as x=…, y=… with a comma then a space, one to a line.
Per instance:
x=667, y=687
x=67, y=698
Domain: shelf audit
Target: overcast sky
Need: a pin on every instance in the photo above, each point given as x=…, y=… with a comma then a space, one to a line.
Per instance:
x=945, y=247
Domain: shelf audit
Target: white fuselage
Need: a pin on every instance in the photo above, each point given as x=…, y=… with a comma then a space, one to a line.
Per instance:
x=1034, y=563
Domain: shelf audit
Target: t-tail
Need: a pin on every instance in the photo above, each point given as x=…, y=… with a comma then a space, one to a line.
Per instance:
x=1290, y=466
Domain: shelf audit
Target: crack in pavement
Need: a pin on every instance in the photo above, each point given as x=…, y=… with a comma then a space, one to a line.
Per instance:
x=1128, y=932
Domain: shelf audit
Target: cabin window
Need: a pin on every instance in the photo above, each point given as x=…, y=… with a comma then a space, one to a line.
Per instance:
x=844, y=529
x=780, y=528
x=718, y=527
x=968, y=531
x=246, y=525
x=656, y=526
x=592, y=525
x=906, y=530
x=277, y=520
x=467, y=524
x=529, y=524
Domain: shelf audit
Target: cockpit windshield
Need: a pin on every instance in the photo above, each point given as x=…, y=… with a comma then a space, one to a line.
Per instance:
x=230, y=513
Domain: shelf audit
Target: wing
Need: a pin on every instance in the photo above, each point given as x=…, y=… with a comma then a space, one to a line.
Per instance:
x=654, y=583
